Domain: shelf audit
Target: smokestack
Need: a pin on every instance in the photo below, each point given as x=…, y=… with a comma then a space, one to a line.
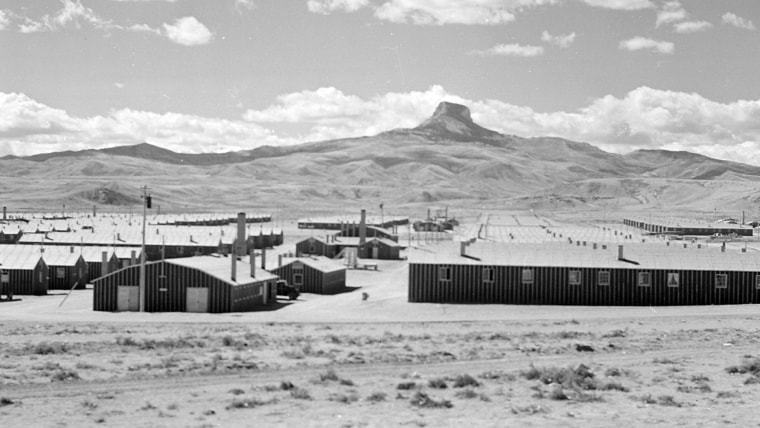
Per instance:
x=428, y=217
x=71, y=249
x=723, y=248
x=233, y=260
x=742, y=217
x=240, y=246
x=94, y=210
x=133, y=258
x=620, y=252
x=104, y=263
x=253, y=264
x=5, y=213
x=447, y=212
x=363, y=228
x=463, y=248
x=263, y=257
x=279, y=260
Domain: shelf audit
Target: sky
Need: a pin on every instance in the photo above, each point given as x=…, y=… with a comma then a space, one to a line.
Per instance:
x=221, y=75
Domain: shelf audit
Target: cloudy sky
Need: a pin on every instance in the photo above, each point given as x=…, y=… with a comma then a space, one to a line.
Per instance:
x=219, y=75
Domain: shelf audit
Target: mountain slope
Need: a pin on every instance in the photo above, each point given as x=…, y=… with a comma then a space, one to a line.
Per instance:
x=447, y=157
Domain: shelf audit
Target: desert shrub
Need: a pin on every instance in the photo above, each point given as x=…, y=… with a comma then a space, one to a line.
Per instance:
x=377, y=396
x=244, y=403
x=646, y=399
x=420, y=399
x=406, y=385
x=668, y=400
x=497, y=374
x=530, y=409
x=614, y=333
x=579, y=377
x=612, y=386
x=464, y=380
x=569, y=334
x=752, y=380
x=81, y=365
x=613, y=372
x=437, y=383
x=286, y=385
x=87, y=404
x=466, y=393
x=344, y=398
x=45, y=348
x=126, y=341
x=236, y=391
x=64, y=375
x=6, y=402
x=300, y=394
x=664, y=361
x=749, y=365
x=700, y=378
x=728, y=394
x=586, y=397
x=346, y=382
x=558, y=394
x=329, y=375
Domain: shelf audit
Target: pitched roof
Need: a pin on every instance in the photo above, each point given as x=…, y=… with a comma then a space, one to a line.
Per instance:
x=319, y=263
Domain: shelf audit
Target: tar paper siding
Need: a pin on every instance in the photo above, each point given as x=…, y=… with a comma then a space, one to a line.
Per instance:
x=384, y=252
x=66, y=277
x=551, y=286
x=165, y=289
x=29, y=282
x=317, y=247
x=313, y=280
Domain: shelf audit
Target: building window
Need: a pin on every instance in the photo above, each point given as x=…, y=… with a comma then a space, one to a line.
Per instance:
x=674, y=279
x=604, y=277
x=60, y=272
x=757, y=282
x=527, y=276
x=574, y=277
x=488, y=275
x=721, y=280
x=312, y=248
x=644, y=279
x=298, y=279
x=444, y=273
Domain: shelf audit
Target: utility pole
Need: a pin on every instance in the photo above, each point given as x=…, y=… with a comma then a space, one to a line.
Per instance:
x=146, y=205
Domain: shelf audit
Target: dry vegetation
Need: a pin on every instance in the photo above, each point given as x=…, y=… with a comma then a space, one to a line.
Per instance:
x=424, y=374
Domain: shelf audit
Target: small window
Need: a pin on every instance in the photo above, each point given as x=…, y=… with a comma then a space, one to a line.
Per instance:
x=757, y=282
x=644, y=279
x=604, y=277
x=60, y=272
x=487, y=274
x=527, y=276
x=674, y=279
x=721, y=280
x=298, y=279
x=574, y=277
x=444, y=273
x=312, y=248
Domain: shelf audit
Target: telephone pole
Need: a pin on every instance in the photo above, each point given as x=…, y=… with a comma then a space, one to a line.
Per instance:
x=146, y=205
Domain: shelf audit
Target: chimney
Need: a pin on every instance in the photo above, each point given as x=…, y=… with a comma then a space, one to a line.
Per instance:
x=723, y=248
x=685, y=245
x=5, y=213
x=595, y=245
x=462, y=248
x=620, y=252
x=263, y=257
x=279, y=260
x=363, y=228
x=253, y=264
x=71, y=249
x=233, y=260
x=104, y=263
x=742, y=217
x=133, y=258
x=240, y=246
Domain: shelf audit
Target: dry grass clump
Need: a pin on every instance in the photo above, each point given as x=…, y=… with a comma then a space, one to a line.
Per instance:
x=420, y=399
x=150, y=344
x=465, y=380
x=236, y=391
x=530, y=409
x=437, y=383
x=749, y=365
x=405, y=386
x=6, y=402
x=466, y=394
x=344, y=398
x=579, y=377
x=663, y=400
x=246, y=403
x=46, y=348
x=300, y=394
x=376, y=397
x=64, y=375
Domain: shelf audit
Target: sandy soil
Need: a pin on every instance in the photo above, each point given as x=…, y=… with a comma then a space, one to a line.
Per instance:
x=340, y=361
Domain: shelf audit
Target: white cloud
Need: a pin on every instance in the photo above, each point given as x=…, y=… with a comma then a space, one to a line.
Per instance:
x=28, y=126
x=738, y=21
x=511, y=49
x=691, y=26
x=188, y=31
x=671, y=12
x=621, y=4
x=562, y=40
x=643, y=43
x=327, y=6
x=5, y=19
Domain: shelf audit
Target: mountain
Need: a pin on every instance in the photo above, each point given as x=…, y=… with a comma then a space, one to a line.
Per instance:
x=448, y=157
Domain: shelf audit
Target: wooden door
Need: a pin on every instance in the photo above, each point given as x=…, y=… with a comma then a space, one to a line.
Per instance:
x=128, y=298
x=197, y=299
